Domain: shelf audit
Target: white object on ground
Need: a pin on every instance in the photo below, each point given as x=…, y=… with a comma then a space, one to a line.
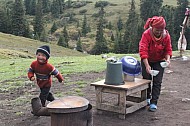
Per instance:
x=154, y=72
x=164, y=64
x=184, y=57
x=168, y=71
x=185, y=99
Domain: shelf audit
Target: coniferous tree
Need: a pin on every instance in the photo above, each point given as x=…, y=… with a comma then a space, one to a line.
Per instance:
x=46, y=6
x=168, y=13
x=32, y=8
x=112, y=37
x=121, y=45
x=53, y=28
x=88, y=28
x=9, y=20
x=55, y=9
x=18, y=19
x=149, y=8
x=36, y=37
x=61, y=42
x=66, y=37
x=38, y=20
x=61, y=6
x=79, y=45
x=5, y=20
x=28, y=32
x=116, y=43
x=84, y=26
x=110, y=25
x=69, y=2
x=43, y=36
x=27, y=4
x=131, y=33
x=100, y=44
x=119, y=24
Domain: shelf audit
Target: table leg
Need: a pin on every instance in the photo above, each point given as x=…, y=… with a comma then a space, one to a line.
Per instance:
x=143, y=95
x=122, y=104
x=98, y=96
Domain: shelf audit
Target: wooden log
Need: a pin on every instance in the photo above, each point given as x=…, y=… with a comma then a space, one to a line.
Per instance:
x=82, y=118
x=37, y=108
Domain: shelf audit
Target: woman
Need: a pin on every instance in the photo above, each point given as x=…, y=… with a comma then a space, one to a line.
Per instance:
x=154, y=48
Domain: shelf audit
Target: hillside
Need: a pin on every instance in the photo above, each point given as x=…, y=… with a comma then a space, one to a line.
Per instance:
x=113, y=11
x=15, y=46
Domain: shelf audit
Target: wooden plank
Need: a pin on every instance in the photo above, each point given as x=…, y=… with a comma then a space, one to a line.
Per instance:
x=98, y=95
x=133, y=99
x=111, y=108
x=137, y=89
x=122, y=101
x=136, y=107
x=126, y=86
x=111, y=90
x=143, y=94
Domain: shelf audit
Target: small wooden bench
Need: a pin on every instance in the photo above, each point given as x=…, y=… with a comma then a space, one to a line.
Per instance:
x=125, y=93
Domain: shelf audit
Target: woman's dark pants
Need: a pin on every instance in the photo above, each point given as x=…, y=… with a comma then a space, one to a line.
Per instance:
x=154, y=89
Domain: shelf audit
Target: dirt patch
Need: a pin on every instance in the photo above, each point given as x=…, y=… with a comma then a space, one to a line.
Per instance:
x=173, y=106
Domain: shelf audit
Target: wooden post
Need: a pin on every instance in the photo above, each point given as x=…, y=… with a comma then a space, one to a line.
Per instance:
x=37, y=108
x=183, y=29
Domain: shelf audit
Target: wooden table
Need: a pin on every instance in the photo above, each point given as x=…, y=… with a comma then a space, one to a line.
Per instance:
x=127, y=102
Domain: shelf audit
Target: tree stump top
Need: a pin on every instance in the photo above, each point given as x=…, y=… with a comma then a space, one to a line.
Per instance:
x=68, y=104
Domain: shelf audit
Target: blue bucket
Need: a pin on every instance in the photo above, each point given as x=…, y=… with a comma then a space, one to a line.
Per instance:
x=131, y=66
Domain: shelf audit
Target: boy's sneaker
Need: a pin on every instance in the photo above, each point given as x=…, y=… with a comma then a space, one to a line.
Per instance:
x=152, y=107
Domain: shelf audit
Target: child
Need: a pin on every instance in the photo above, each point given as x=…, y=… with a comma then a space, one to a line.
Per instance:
x=43, y=71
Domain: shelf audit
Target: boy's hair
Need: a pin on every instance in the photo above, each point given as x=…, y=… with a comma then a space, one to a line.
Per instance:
x=45, y=50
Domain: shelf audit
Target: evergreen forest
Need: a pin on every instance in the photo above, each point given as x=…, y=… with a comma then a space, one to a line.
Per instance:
x=94, y=27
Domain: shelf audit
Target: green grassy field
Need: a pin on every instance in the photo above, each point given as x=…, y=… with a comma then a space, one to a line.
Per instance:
x=25, y=46
x=14, y=68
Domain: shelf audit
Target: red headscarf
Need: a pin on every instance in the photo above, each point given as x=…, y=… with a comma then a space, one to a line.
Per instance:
x=155, y=22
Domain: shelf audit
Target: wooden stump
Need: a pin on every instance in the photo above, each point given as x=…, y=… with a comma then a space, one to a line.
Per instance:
x=37, y=108
x=70, y=111
x=83, y=118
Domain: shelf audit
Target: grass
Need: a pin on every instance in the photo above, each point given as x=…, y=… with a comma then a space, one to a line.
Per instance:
x=13, y=74
x=25, y=47
x=14, y=68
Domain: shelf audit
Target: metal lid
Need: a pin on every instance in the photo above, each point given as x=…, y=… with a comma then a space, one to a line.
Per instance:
x=68, y=104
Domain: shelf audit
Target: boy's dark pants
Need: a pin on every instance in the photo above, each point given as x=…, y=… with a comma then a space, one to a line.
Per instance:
x=45, y=94
x=153, y=91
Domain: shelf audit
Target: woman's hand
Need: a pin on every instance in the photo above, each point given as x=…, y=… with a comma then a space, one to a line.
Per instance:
x=148, y=68
x=168, y=60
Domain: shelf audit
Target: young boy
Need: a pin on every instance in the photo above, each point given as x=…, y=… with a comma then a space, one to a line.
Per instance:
x=43, y=71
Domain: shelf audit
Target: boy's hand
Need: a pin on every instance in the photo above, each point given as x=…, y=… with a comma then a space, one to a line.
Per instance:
x=61, y=82
x=32, y=78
